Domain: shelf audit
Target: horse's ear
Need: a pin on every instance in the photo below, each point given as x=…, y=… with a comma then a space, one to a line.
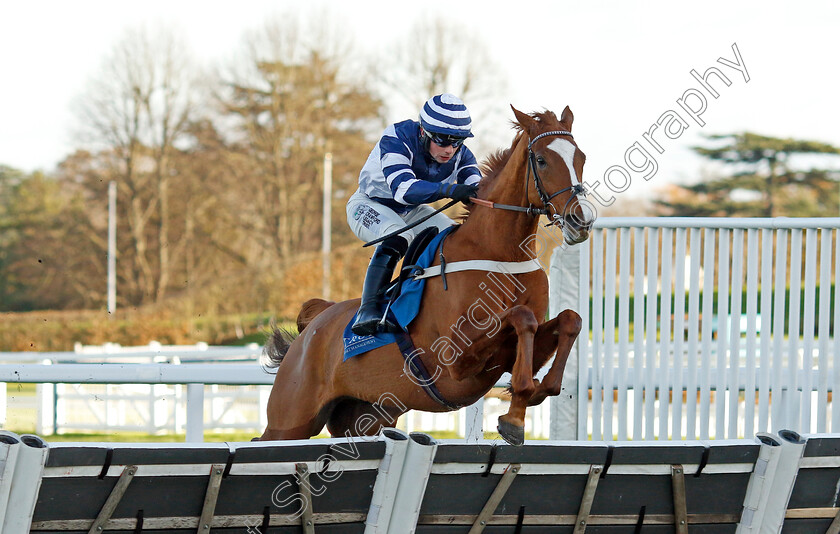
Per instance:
x=524, y=120
x=567, y=118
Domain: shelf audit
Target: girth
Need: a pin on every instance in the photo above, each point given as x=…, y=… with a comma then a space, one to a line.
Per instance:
x=419, y=371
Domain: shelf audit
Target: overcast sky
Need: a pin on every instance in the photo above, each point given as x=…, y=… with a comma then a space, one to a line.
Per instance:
x=619, y=65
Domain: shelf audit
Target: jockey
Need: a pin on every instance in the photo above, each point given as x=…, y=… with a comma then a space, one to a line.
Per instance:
x=413, y=164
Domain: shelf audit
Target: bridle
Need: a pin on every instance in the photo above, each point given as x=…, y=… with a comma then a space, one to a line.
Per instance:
x=547, y=209
x=548, y=206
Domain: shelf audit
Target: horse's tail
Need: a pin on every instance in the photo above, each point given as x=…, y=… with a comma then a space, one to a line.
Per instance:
x=281, y=339
x=277, y=346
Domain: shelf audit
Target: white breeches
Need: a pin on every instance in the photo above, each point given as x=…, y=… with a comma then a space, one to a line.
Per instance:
x=371, y=220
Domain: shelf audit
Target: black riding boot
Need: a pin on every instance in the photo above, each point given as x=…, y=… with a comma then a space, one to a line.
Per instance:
x=378, y=275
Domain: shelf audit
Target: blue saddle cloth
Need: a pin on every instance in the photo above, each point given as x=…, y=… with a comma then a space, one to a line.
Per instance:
x=404, y=309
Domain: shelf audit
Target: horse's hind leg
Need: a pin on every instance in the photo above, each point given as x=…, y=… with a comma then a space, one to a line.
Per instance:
x=353, y=417
x=512, y=424
x=299, y=423
x=298, y=406
x=304, y=392
x=562, y=332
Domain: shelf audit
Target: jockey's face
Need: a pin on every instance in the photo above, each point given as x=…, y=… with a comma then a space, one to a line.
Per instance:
x=441, y=154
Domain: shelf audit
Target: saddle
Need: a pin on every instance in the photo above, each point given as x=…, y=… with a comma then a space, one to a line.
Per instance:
x=355, y=345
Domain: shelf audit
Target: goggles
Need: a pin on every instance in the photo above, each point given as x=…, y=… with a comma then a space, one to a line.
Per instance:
x=443, y=140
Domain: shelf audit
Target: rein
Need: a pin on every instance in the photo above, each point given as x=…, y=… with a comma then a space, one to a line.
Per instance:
x=538, y=184
x=412, y=225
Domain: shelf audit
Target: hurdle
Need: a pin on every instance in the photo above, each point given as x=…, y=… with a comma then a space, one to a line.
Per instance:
x=583, y=484
x=22, y=460
x=199, y=487
x=406, y=483
x=811, y=508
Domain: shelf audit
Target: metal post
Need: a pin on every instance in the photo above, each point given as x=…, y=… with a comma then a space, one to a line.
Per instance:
x=9, y=449
x=474, y=427
x=28, y=471
x=387, y=481
x=417, y=467
x=112, y=248
x=46, y=423
x=327, y=225
x=564, y=294
x=3, y=413
x=771, y=482
x=195, y=413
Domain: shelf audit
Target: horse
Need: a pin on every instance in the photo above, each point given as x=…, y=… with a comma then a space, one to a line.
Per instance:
x=468, y=332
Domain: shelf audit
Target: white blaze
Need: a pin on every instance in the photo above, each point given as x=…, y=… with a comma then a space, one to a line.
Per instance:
x=566, y=150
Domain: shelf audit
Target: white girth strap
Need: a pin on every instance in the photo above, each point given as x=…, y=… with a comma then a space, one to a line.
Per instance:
x=507, y=267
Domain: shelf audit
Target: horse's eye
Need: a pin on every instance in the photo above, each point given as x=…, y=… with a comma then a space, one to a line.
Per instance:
x=541, y=162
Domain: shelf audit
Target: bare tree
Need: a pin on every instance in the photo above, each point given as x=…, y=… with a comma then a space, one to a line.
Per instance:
x=290, y=99
x=437, y=56
x=138, y=108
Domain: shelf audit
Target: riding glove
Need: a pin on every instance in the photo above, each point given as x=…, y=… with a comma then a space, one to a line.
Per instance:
x=460, y=192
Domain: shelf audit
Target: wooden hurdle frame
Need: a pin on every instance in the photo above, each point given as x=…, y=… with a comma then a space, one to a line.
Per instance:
x=405, y=483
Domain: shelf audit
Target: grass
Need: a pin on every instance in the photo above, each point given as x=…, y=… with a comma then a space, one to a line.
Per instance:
x=25, y=390
x=256, y=337
x=141, y=437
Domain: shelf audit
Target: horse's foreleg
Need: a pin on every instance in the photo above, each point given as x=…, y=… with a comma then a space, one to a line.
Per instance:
x=565, y=329
x=512, y=424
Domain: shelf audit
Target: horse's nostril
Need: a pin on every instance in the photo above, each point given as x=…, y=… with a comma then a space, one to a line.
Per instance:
x=582, y=213
x=580, y=221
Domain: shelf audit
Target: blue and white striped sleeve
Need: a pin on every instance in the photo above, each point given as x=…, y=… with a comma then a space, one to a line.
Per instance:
x=396, y=166
x=468, y=172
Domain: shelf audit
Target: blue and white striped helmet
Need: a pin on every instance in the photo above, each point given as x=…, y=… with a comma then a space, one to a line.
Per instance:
x=446, y=114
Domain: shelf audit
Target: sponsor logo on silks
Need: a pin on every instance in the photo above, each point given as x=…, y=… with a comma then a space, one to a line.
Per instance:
x=359, y=211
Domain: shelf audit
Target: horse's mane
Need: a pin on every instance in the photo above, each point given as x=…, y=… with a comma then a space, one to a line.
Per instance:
x=493, y=164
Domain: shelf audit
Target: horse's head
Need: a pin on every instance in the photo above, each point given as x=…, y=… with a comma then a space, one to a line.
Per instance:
x=556, y=167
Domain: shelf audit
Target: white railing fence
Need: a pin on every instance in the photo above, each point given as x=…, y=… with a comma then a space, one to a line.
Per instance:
x=152, y=409
x=195, y=398
x=204, y=385
x=703, y=328
x=695, y=329
x=129, y=404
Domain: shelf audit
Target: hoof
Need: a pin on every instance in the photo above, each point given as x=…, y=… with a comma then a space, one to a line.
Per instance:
x=515, y=435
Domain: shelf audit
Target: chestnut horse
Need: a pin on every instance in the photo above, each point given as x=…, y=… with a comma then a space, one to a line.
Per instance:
x=466, y=335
